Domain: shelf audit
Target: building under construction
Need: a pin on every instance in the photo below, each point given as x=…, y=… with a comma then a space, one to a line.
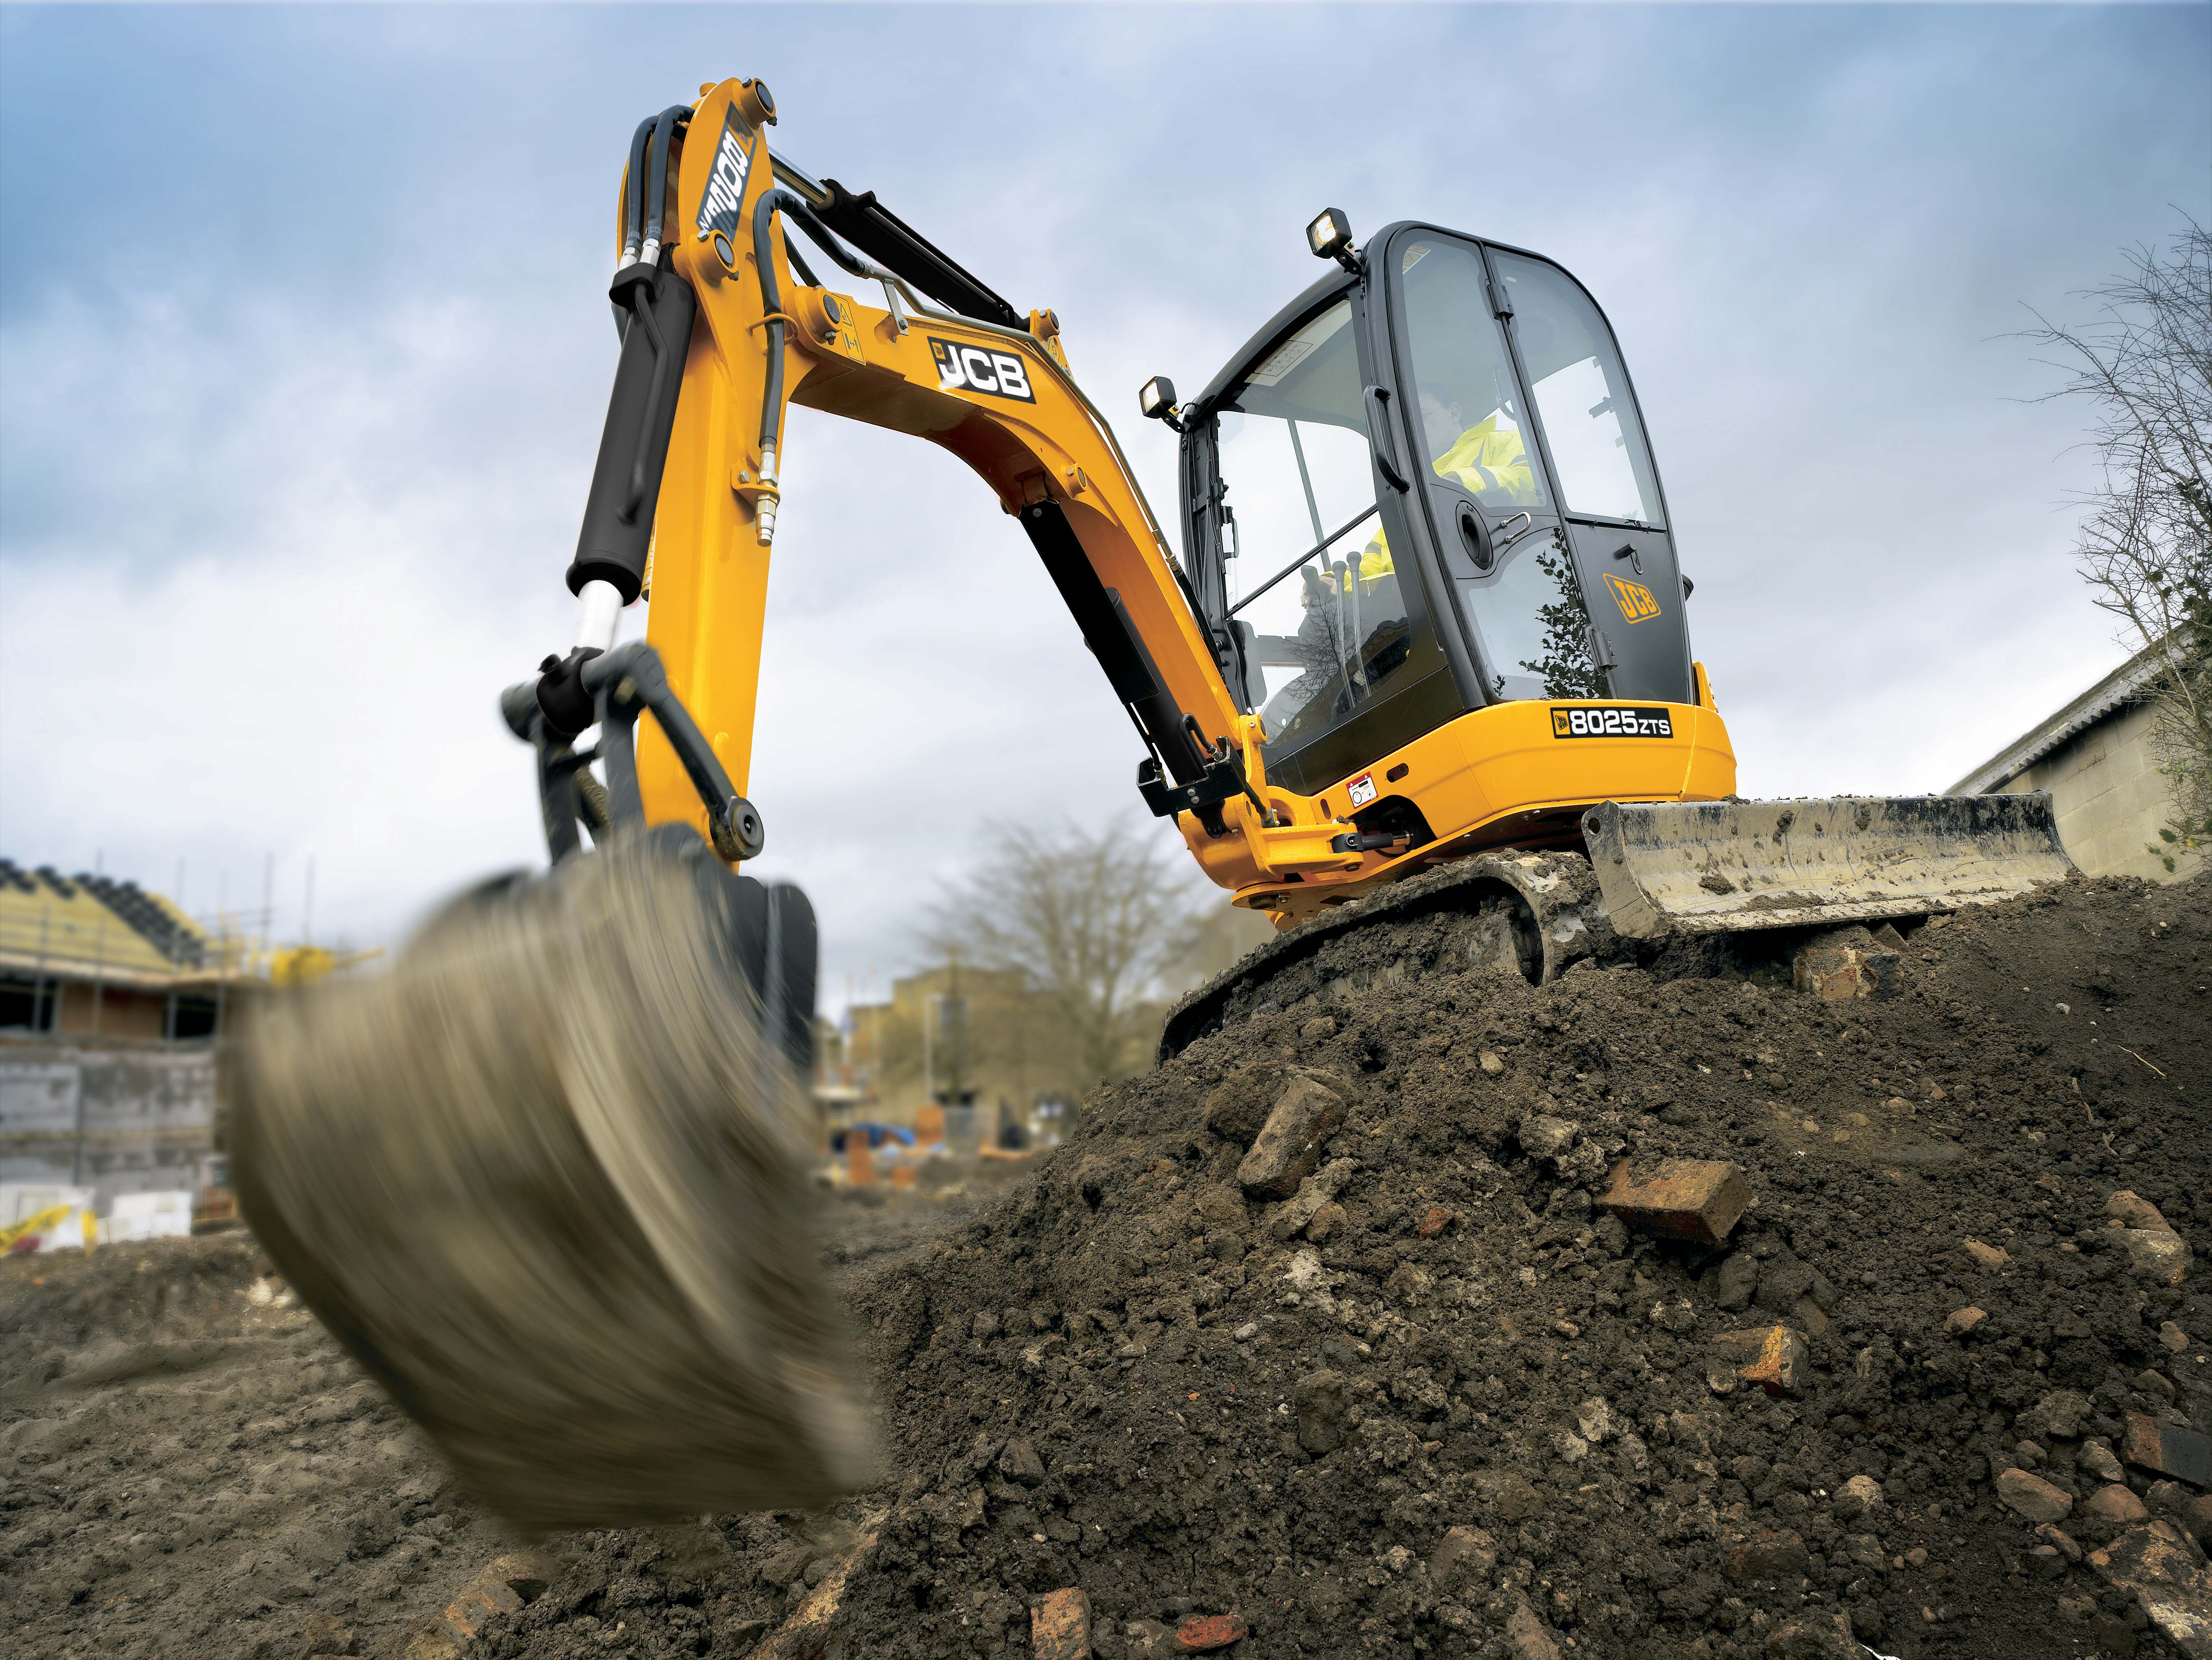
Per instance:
x=111, y=1002
x=88, y=955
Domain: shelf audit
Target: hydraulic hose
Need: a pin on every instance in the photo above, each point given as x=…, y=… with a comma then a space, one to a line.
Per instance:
x=772, y=307
x=633, y=191
x=663, y=134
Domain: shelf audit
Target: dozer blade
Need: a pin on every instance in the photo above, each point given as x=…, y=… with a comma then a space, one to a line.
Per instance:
x=543, y=1180
x=1715, y=866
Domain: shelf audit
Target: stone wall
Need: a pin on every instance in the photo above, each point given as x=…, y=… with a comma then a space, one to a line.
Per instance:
x=118, y=1118
x=2110, y=796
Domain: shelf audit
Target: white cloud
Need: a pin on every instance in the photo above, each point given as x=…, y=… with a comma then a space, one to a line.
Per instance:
x=273, y=532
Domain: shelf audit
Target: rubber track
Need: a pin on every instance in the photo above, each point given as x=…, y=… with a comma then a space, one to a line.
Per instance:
x=1451, y=888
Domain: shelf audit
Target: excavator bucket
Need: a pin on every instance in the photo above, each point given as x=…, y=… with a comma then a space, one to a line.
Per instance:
x=544, y=1180
x=1715, y=867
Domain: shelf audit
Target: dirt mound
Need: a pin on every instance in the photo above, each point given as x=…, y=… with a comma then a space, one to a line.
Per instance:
x=189, y=1465
x=1438, y=1403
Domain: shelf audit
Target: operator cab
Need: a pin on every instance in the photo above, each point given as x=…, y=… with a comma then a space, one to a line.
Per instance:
x=1423, y=489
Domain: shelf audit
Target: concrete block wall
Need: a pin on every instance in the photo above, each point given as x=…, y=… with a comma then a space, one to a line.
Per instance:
x=2110, y=796
x=117, y=1120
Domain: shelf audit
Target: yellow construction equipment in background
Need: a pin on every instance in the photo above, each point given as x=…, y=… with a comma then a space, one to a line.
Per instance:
x=303, y=965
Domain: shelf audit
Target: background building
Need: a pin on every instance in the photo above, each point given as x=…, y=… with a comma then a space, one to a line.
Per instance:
x=2096, y=758
x=91, y=956
x=112, y=1002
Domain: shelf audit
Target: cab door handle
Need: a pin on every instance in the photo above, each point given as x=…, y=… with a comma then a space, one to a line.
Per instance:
x=1378, y=437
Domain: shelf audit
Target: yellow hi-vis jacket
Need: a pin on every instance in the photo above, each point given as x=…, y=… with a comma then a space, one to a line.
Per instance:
x=1491, y=461
x=1488, y=460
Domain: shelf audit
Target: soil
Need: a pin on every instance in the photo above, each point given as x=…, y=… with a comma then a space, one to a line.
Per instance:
x=192, y=1467
x=1122, y=1375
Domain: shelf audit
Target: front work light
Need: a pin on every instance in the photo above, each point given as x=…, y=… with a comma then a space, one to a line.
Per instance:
x=1329, y=236
x=1157, y=399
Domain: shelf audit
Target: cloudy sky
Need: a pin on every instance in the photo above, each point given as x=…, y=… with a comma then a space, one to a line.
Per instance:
x=304, y=352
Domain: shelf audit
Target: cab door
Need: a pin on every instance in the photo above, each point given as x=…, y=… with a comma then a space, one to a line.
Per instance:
x=1534, y=477
x=1603, y=479
x=1480, y=481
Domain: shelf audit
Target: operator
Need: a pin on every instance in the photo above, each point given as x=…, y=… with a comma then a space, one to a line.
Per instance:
x=1487, y=459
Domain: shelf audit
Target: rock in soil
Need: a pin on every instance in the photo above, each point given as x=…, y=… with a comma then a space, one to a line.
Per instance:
x=1492, y=1439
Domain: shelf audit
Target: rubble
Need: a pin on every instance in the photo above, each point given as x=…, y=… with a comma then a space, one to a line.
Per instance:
x=1859, y=1498
x=1841, y=964
x=1989, y=1258
x=2112, y=1507
x=2033, y=1497
x=1363, y=1435
x=1774, y=1357
x=2173, y=1586
x=2172, y=1449
x=1288, y=1145
x=1059, y=1626
x=1526, y=1638
x=1694, y=1198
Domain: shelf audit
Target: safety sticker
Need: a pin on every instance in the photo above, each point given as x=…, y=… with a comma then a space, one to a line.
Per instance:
x=1611, y=723
x=1637, y=603
x=964, y=368
x=726, y=185
x=1363, y=789
x=1302, y=345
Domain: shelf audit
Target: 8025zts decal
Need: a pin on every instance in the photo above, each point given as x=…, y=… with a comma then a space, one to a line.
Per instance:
x=964, y=368
x=1611, y=723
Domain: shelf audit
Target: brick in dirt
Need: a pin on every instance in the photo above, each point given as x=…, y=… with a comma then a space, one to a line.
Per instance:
x=1442, y=1400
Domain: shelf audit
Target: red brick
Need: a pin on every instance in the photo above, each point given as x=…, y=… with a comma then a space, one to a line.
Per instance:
x=1773, y=1356
x=1695, y=1199
x=2168, y=1449
x=1060, y=1627
x=1204, y=1632
x=1437, y=1220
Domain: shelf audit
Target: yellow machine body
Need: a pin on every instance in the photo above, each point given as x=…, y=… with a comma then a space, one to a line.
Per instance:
x=1488, y=777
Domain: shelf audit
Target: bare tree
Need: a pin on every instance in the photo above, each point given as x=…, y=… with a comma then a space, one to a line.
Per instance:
x=2146, y=543
x=1094, y=918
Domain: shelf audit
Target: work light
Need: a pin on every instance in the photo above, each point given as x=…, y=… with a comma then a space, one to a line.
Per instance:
x=1156, y=398
x=1329, y=236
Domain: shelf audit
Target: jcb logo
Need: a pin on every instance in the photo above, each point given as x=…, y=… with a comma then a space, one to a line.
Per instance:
x=1636, y=602
x=726, y=185
x=964, y=368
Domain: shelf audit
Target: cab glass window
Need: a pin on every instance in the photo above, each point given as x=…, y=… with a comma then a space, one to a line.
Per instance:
x=1309, y=572
x=1473, y=430
x=1526, y=607
x=1581, y=392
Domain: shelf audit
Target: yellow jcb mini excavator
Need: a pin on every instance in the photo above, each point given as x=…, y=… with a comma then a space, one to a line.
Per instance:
x=1424, y=651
